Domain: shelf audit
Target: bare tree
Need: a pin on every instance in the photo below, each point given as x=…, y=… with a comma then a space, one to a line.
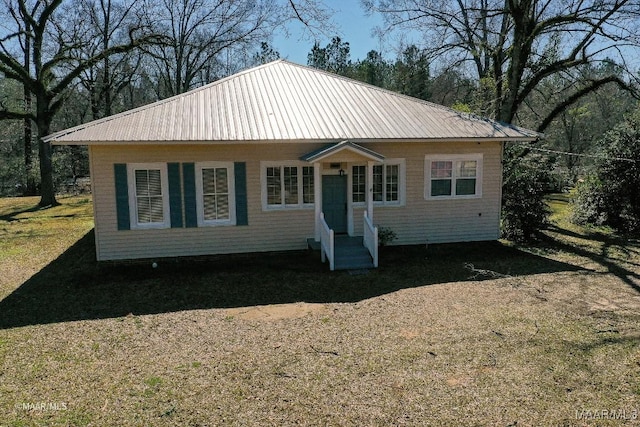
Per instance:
x=108, y=22
x=208, y=39
x=56, y=41
x=513, y=46
x=198, y=33
x=24, y=27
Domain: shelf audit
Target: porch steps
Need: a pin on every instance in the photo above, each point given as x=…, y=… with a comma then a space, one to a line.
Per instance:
x=350, y=253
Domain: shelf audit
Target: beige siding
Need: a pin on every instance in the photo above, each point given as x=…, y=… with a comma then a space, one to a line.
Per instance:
x=438, y=221
x=267, y=231
x=418, y=221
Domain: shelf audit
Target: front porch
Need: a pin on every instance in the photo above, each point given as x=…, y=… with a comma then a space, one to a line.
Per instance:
x=343, y=189
x=350, y=253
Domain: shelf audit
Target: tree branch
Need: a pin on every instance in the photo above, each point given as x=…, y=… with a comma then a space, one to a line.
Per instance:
x=295, y=10
x=592, y=86
x=88, y=63
x=15, y=115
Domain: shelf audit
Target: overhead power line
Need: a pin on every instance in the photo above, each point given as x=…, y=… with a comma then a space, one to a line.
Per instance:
x=591, y=156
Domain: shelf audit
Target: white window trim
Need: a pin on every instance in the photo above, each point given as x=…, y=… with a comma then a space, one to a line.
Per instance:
x=478, y=157
x=283, y=164
x=200, y=194
x=402, y=183
x=133, y=206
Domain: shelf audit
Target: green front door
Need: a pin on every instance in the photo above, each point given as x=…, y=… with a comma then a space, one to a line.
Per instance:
x=334, y=202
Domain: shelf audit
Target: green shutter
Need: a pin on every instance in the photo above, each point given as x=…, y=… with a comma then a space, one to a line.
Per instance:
x=122, y=196
x=175, y=195
x=240, y=171
x=189, y=181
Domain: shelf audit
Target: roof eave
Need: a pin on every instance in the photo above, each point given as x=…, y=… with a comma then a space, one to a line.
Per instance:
x=523, y=139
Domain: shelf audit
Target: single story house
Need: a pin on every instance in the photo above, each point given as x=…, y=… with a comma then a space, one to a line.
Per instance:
x=282, y=154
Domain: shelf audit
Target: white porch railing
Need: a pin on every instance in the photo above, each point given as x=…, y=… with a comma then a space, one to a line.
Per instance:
x=370, y=239
x=327, y=243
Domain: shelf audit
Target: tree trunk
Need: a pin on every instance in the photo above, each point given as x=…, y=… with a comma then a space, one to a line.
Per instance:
x=47, y=189
x=30, y=183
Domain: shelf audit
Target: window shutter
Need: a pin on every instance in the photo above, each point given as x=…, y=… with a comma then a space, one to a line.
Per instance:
x=240, y=171
x=175, y=195
x=122, y=196
x=189, y=181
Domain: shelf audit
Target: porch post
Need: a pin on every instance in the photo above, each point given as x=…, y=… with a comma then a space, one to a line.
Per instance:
x=317, y=192
x=370, y=190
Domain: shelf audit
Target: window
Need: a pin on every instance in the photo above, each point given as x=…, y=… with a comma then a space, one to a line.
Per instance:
x=307, y=184
x=215, y=193
x=359, y=184
x=290, y=185
x=148, y=195
x=378, y=179
x=387, y=183
x=391, y=183
x=453, y=176
x=287, y=185
x=274, y=187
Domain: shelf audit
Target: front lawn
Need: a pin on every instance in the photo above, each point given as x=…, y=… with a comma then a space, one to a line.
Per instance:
x=464, y=334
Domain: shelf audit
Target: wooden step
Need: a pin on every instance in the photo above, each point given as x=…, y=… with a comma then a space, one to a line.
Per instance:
x=353, y=263
x=352, y=255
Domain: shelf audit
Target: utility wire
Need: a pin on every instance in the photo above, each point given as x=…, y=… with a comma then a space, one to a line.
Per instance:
x=591, y=156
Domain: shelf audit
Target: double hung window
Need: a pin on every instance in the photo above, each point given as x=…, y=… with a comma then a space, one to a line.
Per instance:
x=215, y=195
x=458, y=176
x=148, y=195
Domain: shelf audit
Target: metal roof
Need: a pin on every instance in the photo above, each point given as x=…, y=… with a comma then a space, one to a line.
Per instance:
x=281, y=101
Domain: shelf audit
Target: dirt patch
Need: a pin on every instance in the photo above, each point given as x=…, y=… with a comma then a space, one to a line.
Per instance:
x=274, y=312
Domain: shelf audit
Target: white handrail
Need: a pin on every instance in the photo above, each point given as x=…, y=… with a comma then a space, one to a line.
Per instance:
x=370, y=239
x=327, y=242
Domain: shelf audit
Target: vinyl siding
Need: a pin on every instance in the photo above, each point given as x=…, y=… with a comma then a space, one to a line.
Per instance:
x=442, y=221
x=418, y=221
x=266, y=231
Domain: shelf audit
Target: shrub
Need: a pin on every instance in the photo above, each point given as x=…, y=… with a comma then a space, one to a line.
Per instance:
x=611, y=196
x=589, y=203
x=386, y=236
x=525, y=180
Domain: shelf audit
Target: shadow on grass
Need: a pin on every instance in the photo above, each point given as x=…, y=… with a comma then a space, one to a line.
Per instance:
x=12, y=216
x=75, y=287
x=601, y=257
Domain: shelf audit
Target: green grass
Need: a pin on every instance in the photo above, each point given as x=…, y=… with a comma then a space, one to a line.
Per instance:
x=30, y=237
x=461, y=334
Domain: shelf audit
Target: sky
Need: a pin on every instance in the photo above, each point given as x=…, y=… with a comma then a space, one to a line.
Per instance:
x=353, y=26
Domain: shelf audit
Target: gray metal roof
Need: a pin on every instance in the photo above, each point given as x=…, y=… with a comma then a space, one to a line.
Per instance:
x=282, y=101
